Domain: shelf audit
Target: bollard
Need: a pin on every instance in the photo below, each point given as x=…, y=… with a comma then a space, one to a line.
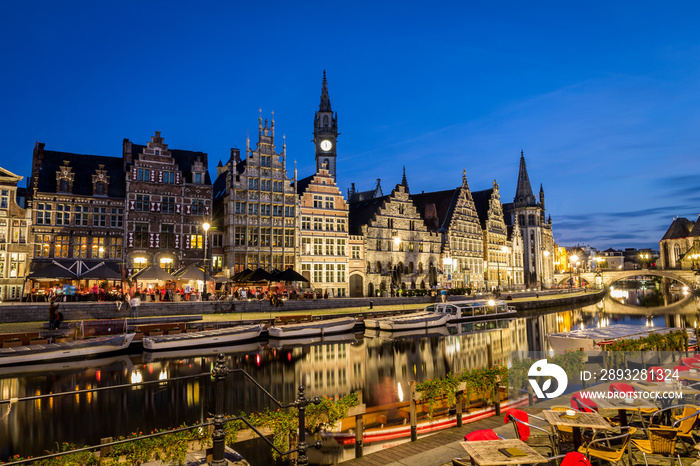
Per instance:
x=413, y=415
x=219, y=436
x=459, y=408
x=371, y=304
x=497, y=403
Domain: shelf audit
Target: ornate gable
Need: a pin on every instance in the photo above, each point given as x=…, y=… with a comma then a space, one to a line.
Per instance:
x=100, y=181
x=65, y=178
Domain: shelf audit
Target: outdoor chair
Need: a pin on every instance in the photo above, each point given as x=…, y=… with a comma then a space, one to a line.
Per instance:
x=523, y=428
x=661, y=441
x=573, y=458
x=681, y=368
x=583, y=404
x=683, y=421
x=480, y=435
x=610, y=449
x=690, y=362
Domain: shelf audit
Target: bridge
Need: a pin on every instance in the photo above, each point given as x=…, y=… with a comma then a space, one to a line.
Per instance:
x=608, y=277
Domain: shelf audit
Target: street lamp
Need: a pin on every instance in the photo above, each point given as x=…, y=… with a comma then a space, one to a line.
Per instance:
x=572, y=260
x=599, y=270
x=206, y=226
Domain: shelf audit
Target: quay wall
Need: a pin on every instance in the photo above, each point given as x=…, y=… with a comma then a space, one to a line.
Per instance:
x=36, y=312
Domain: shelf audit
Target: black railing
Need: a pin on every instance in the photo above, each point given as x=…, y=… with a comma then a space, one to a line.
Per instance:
x=220, y=374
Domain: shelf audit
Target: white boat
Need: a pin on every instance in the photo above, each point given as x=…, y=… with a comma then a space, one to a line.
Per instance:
x=221, y=336
x=373, y=322
x=479, y=309
x=207, y=351
x=66, y=350
x=422, y=321
x=313, y=328
x=589, y=339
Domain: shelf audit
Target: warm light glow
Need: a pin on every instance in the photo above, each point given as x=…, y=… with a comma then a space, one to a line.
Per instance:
x=140, y=260
x=206, y=226
x=136, y=377
x=546, y=253
x=446, y=261
x=166, y=260
x=397, y=240
x=491, y=302
x=400, y=392
x=504, y=248
x=573, y=258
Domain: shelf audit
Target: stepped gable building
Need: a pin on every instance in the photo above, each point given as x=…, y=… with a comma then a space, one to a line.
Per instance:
x=323, y=236
x=453, y=216
x=168, y=200
x=256, y=207
x=326, y=132
x=77, y=204
x=400, y=251
x=528, y=212
x=15, y=242
x=680, y=242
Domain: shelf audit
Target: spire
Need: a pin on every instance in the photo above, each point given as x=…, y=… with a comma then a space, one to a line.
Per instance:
x=325, y=105
x=465, y=185
x=404, y=181
x=523, y=193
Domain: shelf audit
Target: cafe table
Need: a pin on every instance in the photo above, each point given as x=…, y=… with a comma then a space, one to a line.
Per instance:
x=576, y=422
x=500, y=452
x=622, y=405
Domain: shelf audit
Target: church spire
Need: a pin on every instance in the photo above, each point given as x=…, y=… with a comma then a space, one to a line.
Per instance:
x=325, y=105
x=523, y=193
x=404, y=181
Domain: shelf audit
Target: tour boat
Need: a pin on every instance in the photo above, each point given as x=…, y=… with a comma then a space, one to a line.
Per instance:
x=69, y=349
x=221, y=336
x=409, y=322
x=590, y=339
x=312, y=328
x=480, y=309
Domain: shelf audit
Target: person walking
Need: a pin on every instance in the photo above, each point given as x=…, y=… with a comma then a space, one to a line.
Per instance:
x=53, y=314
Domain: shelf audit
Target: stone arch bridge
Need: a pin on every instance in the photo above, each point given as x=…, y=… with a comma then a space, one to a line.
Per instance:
x=608, y=277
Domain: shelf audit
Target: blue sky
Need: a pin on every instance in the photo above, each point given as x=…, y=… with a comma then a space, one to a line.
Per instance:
x=603, y=97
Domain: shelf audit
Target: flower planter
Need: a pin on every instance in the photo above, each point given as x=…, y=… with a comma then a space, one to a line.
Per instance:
x=155, y=333
x=11, y=343
x=175, y=331
x=39, y=341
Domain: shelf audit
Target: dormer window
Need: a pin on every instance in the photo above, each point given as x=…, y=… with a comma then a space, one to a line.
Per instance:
x=198, y=178
x=64, y=185
x=4, y=199
x=157, y=151
x=100, y=189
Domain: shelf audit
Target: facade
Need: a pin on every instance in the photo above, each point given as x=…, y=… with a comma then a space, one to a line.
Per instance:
x=679, y=248
x=496, y=245
x=400, y=252
x=15, y=242
x=258, y=207
x=168, y=200
x=528, y=213
x=452, y=214
x=77, y=205
x=356, y=266
x=323, y=237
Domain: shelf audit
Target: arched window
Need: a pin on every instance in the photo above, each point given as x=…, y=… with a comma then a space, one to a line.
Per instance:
x=420, y=267
x=410, y=268
x=379, y=267
x=325, y=120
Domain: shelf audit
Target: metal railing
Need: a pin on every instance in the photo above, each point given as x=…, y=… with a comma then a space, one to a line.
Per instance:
x=220, y=373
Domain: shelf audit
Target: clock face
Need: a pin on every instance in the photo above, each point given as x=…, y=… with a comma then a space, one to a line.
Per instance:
x=326, y=145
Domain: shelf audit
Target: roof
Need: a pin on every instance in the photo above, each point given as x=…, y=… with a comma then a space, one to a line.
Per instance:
x=360, y=213
x=680, y=228
x=304, y=183
x=696, y=228
x=440, y=203
x=481, y=202
x=83, y=167
x=183, y=158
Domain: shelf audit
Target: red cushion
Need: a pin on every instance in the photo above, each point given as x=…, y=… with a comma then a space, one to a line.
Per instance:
x=689, y=361
x=681, y=368
x=583, y=404
x=622, y=387
x=655, y=374
x=484, y=434
x=523, y=430
x=575, y=458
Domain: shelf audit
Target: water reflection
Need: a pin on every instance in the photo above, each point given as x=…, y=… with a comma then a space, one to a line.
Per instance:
x=379, y=365
x=648, y=291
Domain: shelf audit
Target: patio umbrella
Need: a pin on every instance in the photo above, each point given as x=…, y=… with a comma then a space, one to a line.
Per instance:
x=241, y=276
x=102, y=272
x=260, y=275
x=152, y=273
x=52, y=271
x=192, y=272
x=289, y=275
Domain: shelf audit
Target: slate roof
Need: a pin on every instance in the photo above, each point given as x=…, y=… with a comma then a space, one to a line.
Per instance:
x=481, y=202
x=183, y=158
x=219, y=186
x=304, y=183
x=680, y=228
x=696, y=228
x=84, y=167
x=360, y=213
x=444, y=203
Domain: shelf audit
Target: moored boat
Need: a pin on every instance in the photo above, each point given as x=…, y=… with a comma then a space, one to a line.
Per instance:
x=479, y=309
x=421, y=321
x=373, y=322
x=590, y=339
x=65, y=350
x=312, y=328
x=221, y=336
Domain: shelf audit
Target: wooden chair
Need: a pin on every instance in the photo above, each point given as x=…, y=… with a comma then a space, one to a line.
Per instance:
x=684, y=421
x=523, y=429
x=661, y=441
x=610, y=449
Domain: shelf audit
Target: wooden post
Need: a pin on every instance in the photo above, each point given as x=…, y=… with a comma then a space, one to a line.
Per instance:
x=459, y=407
x=413, y=417
x=104, y=451
x=359, y=430
x=497, y=402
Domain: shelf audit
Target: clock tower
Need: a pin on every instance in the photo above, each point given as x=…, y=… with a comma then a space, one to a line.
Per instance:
x=325, y=132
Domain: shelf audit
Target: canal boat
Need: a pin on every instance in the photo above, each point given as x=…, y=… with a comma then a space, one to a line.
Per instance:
x=373, y=322
x=313, y=328
x=591, y=339
x=478, y=309
x=220, y=336
x=40, y=353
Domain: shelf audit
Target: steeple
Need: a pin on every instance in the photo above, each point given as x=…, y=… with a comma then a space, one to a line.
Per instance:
x=325, y=105
x=523, y=192
x=404, y=181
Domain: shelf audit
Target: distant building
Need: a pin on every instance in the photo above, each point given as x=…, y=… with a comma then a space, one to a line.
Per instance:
x=15, y=242
x=680, y=246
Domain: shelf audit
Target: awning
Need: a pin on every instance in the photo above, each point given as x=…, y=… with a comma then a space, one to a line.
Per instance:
x=102, y=271
x=260, y=275
x=152, y=273
x=52, y=271
x=192, y=272
x=241, y=276
x=289, y=275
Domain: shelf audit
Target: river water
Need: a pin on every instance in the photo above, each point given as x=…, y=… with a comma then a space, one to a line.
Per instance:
x=379, y=365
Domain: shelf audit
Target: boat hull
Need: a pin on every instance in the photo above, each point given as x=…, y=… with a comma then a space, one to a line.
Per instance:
x=66, y=350
x=414, y=323
x=224, y=336
x=312, y=329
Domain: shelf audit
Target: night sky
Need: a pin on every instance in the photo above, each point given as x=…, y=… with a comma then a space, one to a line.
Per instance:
x=602, y=97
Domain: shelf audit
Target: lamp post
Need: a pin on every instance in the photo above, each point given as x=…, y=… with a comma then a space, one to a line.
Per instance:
x=206, y=226
x=644, y=257
x=572, y=260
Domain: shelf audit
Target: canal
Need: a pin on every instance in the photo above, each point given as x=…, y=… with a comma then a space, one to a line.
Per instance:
x=378, y=364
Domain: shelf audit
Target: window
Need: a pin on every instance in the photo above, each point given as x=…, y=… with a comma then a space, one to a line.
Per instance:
x=318, y=273
x=305, y=223
x=99, y=217
x=265, y=185
x=197, y=239
x=169, y=177
x=42, y=246
x=143, y=202
x=19, y=228
x=411, y=246
x=277, y=237
x=98, y=248
x=17, y=261
x=3, y=230
x=340, y=224
x=239, y=236
x=81, y=216
x=306, y=245
x=420, y=247
x=318, y=246
x=240, y=207
x=141, y=235
x=252, y=209
x=390, y=223
x=253, y=237
x=217, y=263
x=143, y=174
x=100, y=188
x=401, y=209
x=411, y=225
x=217, y=240
x=252, y=183
x=4, y=199
x=265, y=160
x=167, y=205
x=80, y=247
x=64, y=185
x=340, y=251
x=277, y=210
x=318, y=224
x=330, y=242
x=289, y=211
x=341, y=272
x=61, y=246
x=197, y=207
x=167, y=236
x=288, y=238
x=329, y=202
x=330, y=224
x=115, y=247
x=531, y=219
x=318, y=202
x=355, y=252
x=330, y=271
x=198, y=178
x=264, y=209
x=43, y=214
x=117, y=218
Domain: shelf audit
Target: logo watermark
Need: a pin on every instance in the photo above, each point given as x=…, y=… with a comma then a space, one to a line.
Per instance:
x=542, y=368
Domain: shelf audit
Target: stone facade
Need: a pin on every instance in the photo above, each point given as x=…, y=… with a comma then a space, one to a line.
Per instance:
x=356, y=266
x=680, y=246
x=258, y=207
x=15, y=242
x=324, y=245
x=168, y=200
